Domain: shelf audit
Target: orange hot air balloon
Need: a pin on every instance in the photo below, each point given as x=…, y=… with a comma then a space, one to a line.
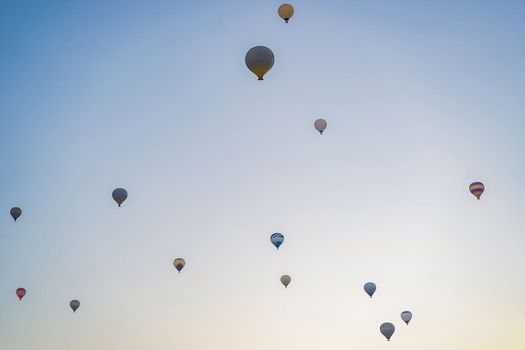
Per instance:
x=285, y=12
x=477, y=189
x=20, y=293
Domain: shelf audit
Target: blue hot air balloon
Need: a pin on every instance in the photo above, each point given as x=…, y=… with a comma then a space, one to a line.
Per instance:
x=119, y=195
x=277, y=239
x=370, y=288
x=406, y=316
x=387, y=329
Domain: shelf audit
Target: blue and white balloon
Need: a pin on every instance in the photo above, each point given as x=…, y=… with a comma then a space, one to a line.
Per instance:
x=387, y=329
x=277, y=239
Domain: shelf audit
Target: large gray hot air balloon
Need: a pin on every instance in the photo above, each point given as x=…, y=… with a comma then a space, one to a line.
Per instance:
x=406, y=316
x=120, y=195
x=477, y=189
x=15, y=212
x=74, y=304
x=285, y=280
x=370, y=288
x=387, y=329
x=320, y=125
x=259, y=60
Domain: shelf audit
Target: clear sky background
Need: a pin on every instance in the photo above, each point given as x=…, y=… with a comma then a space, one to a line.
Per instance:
x=421, y=98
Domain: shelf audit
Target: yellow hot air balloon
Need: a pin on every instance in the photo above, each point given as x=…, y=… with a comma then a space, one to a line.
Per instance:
x=285, y=12
x=477, y=188
x=259, y=60
x=179, y=264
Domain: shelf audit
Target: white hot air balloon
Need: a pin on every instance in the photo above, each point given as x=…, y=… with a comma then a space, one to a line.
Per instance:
x=285, y=280
x=387, y=329
x=259, y=60
x=406, y=316
x=320, y=125
x=370, y=288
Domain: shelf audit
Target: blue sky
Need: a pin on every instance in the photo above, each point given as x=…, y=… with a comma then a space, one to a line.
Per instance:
x=421, y=98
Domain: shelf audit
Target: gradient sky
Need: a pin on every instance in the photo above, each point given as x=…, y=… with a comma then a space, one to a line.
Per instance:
x=421, y=98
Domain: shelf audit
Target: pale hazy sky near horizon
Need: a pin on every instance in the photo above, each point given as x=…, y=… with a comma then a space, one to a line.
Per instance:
x=421, y=98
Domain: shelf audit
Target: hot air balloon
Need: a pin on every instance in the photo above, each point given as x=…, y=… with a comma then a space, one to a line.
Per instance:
x=179, y=264
x=120, y=195
x=20, y=293
x=285, y=12
x=477, y=188
x=259, y=60
x=370, y=288
x=15, y=212
x=75, y=304
x=320, y=125
x=406, y=316
x=285, y=280
x=387, y=329
x=277, y=239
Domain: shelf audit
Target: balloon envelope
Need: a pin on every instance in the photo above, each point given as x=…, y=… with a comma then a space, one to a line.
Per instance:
x=20, y=293
x=74, y=304
x=15, y=212
x=406, y=316
x=179, y=264
x=277, y=239
x=387, y=329
x=259, y=60
x=320, y=125
x=119, y=195
x=370, y=288
x=286, y=12
x=285, y=280
x=477, y=189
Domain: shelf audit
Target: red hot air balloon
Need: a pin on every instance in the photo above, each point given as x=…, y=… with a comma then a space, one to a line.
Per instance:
x=20, y=293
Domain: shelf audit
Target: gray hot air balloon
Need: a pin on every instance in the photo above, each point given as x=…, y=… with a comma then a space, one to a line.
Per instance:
x=120, y=195
x=320, y=125
x=406, y=316
x=259, y=60
x=15, y=212
x=75, y=304
x=285, y=280
x=370, y=288
x=387, y=329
